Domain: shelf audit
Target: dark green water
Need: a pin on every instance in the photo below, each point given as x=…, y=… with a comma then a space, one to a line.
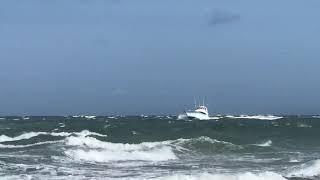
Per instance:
x=159, y=147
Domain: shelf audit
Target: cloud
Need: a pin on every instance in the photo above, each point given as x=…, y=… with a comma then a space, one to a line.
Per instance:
x=217, y=17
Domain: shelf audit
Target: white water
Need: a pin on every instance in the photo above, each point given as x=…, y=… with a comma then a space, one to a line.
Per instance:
x=242, y=176
x=106, y=155
x=261, y=117
x=307, y=170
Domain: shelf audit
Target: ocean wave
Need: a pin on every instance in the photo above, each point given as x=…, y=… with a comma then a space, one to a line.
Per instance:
x=241, y=176
x=28, y=135
x=260, y=117
x=92, y=149
x=264, y=144
x=307, y=170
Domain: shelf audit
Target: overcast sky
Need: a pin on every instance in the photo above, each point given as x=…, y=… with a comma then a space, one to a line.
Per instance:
x=62, y=57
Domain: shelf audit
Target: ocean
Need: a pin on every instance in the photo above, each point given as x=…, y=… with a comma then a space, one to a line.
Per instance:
x=160, y=148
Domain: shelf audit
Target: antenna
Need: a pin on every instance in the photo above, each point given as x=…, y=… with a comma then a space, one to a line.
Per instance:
x=202, y=101
x=195, y=102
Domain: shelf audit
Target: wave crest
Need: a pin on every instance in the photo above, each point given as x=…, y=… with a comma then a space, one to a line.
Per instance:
x=28, y=135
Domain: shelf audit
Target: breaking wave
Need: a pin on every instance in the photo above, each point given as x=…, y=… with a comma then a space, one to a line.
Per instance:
x=107, y=155
x=260, y=117
x=92, y=149
x=242, y=176
x=311, y=169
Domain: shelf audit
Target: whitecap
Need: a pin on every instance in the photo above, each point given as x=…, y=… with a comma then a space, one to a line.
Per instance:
x=28, y=135
x=90, y=117
x=89, y=133
x=292, y=160
x=265, y=144
x=260, y=117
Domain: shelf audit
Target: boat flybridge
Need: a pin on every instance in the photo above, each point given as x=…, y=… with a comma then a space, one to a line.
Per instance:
x=200, y=112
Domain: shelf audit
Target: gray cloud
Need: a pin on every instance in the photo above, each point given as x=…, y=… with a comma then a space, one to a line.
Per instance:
x=217, y=17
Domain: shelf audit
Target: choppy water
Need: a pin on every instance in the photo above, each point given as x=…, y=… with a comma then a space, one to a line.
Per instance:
x=160, y=147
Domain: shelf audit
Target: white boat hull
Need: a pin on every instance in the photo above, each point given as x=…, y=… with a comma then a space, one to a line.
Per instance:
x=197, y=115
